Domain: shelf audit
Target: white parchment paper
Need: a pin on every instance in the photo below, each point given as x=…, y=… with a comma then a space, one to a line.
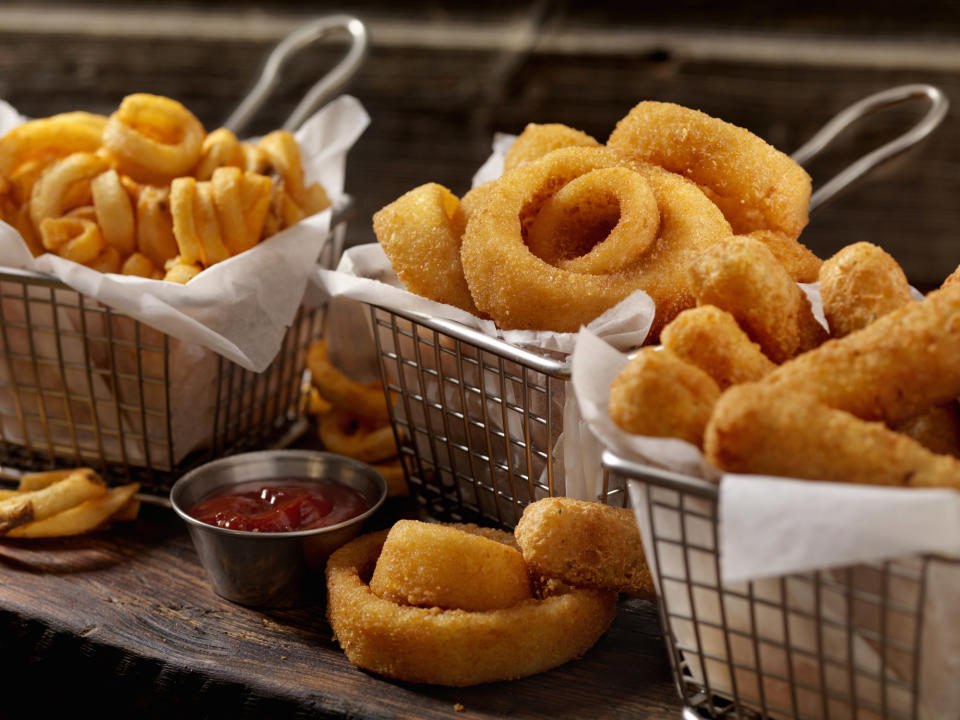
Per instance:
x=239, y=309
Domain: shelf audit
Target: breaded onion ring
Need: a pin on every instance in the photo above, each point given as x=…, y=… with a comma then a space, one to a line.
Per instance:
x=153, y=139
x=859, y=284
x=537, y=140
x=433, y=565
x=660, y=395
x=364, y=401
x=420, y=233
x=742, y=277
x=710, y=338
x=344, y=433
x=521, y=291
x=114, y=212
x=601, y=222
x=48, y=199
x=587, y=544
x=757, y=187
x=455, y=647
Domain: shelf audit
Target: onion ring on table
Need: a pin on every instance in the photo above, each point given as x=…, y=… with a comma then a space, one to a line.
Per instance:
x=344, y=433
x=140, y=265
x=108, y=261
x=710, y=338
x=420, y=233
x=114, y=212
x=49, y=192
x=757, y=187
x=284, y=157
x=587, y=544
x=183, y=202
x=743, y=277
x=521, y=291
x=219, y=149
x=72, y=238
x=447, y=566
x=659, y=395
x=364, y=401
x=601, y=222
x=153, y=139
x=537, y=140
x=860, y=283
x=47, y=139
x=155, y=225
x=455, y=647
x=212, y=249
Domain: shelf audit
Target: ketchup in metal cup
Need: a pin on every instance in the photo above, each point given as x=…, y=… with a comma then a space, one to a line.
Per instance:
x=283, y=505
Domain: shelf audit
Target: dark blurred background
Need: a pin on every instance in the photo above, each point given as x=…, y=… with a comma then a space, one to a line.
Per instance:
x=442, y=78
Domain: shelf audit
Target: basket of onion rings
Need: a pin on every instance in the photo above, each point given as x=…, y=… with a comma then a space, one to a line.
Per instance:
x=154, y=304
x=476, y=302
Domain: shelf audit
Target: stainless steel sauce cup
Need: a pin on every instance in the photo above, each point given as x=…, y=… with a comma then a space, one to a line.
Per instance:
x=272, y=569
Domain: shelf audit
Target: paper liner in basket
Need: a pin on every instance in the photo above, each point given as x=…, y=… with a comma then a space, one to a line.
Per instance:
x=239, y=309
x=771, y=532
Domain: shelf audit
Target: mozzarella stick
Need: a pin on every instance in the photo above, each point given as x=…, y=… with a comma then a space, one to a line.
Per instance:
x=860, y=284
x=710, y=338
x=744, y=278
x=815, y=442
x=894, y=369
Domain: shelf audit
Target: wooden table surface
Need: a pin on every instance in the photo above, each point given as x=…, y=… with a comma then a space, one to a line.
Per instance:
x=124, y=622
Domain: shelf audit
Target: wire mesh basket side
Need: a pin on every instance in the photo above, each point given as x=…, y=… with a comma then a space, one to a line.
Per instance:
x=834, y=643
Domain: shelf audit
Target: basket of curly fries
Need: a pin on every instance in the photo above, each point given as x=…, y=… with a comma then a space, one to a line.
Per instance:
x=153, y=275
x=475, y=302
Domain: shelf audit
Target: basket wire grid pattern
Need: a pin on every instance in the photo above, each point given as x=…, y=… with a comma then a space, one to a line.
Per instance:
x=81, y=384
x=476, y=420
x=839, y=643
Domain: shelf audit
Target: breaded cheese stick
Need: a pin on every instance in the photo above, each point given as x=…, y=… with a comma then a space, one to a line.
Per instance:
x=742, y=276
x=816, y=442
x=859, y=284
x=660, y=395
x=894, y=369
x=710, y=338
x=585, y=544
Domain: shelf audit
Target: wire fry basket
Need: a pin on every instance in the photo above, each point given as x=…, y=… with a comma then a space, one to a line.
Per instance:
x=838, y=643
x=81, y=384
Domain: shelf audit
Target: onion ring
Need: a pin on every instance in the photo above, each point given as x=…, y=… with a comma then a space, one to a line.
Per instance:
x=587, y=544
x=155, y=225
x=757, y=187
x=219, y=149
x=47, y=196
x=520, y=291
x=153, y=139
x=420, y=233
x=72, y=238
x=344, y=433
x=114, y=212
x=537, y=140
x=455, y=647
x=566, y=232
x=433, y=565
x=368, y=403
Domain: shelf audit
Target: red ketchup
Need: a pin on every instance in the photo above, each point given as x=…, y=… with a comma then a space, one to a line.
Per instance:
x=280, y=505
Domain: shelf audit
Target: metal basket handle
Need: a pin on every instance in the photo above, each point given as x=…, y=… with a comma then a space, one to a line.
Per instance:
x=870, y=104
x=323, y=89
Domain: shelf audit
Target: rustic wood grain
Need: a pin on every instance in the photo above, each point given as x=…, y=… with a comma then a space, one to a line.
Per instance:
x=127, y=616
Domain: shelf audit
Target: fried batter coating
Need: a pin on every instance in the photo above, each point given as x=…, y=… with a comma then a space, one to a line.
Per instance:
x=586, y=544
x=710, y=338
x=660, y=395
x=447, y=566
x=521, y=291
x=800, y=263
x=894, y=369
x=816, y=442
x=420, y=233
x=455, y=647
x=952, y=278
x=755, y=185
x=859, y=284
x=742, y=277
x=537, y=140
